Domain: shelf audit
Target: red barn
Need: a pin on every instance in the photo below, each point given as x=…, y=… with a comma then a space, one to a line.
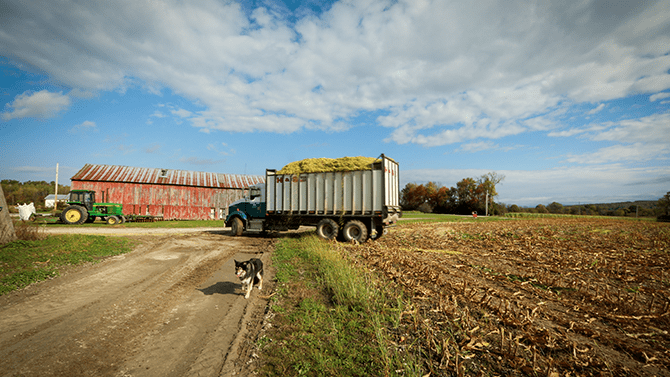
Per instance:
x=167, y=193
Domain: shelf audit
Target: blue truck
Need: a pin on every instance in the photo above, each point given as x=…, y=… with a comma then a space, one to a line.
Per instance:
x=346, y=205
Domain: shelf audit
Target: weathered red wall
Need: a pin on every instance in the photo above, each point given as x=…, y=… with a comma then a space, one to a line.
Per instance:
x=170, y=201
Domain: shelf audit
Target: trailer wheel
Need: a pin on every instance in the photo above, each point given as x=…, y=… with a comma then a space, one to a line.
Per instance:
x=113, y=220
x=355, y=230
x=237, y=226
x=327, y=229
x=73, y=215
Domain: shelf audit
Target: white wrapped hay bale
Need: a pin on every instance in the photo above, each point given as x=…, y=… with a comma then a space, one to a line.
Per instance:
x=26, y=210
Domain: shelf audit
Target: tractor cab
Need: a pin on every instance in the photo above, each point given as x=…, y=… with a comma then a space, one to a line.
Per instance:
x=84, y=198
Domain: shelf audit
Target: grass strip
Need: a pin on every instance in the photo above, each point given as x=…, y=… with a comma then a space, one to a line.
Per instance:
x=25, y=262
x=330, y=317
x=53, y=222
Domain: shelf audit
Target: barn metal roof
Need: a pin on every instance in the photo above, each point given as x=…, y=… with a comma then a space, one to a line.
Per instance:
x=126, y=174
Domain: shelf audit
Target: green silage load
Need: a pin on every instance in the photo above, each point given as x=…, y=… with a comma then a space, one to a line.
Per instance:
x=319, y=165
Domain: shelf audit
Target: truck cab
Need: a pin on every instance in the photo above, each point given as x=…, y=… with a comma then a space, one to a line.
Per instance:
x=248, y=213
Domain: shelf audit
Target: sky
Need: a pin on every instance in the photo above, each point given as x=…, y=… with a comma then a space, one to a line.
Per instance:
x=568, y=100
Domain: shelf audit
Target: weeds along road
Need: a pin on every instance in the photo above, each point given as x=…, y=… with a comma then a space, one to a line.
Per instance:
x=172, y=307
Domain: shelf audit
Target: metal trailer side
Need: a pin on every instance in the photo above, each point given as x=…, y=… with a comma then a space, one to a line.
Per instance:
x=368, y=196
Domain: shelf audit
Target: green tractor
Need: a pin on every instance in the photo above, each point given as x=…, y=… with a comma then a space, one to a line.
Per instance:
x=83, y=208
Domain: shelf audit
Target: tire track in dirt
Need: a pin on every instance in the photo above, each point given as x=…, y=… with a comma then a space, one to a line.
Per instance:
x=150, y=312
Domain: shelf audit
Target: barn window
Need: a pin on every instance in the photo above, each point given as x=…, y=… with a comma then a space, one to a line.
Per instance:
x=163, y=173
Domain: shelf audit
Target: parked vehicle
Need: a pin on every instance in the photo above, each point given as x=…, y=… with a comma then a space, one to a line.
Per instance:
x=348, y=205
x=83, y=208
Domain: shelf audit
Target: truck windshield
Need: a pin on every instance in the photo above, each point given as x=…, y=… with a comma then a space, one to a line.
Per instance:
x=254, y=192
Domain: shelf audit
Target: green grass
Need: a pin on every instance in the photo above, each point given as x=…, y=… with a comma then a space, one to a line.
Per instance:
x=53, y=222
x=410, y=217
x=25, y=262
x=331, y=318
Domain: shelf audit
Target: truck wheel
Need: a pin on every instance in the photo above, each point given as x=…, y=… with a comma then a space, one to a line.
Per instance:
x=237, y=226
x=73, y=215
x=327, y=229
x=113, y=220
x=355, y=230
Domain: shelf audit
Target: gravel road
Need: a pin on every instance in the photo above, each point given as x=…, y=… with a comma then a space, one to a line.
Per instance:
x=172, y=307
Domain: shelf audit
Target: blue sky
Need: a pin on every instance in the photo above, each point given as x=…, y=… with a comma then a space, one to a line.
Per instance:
x=570, y=101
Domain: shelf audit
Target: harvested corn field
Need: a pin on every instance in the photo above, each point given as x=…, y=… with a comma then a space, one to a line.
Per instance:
x=319, y=165
x=549, y=297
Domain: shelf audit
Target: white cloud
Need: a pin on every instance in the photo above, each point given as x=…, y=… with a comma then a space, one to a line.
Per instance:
x=637, y=152
x=596, y=110
x=477, y=147
x=657, y=96
x=43, y=104
x=84, y=127
x=444, y=72
x=637, y=140
x=654, y=129
x=181, y=113
x=566, y=133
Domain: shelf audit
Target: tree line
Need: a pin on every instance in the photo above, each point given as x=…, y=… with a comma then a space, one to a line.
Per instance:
x=470, y=195
x=646, y=208
x=30, y=192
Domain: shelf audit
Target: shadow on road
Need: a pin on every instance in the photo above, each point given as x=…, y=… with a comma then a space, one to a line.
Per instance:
x=222, y=288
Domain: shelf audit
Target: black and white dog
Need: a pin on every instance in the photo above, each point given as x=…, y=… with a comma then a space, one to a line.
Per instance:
x=250, y=272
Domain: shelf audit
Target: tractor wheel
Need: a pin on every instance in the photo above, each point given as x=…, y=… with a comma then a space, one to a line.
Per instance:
x=355, y=230
x=123, y=220
x=113, y=220
x=327, y=229
x=237, y=226
x=73, y=215
x=84, y=213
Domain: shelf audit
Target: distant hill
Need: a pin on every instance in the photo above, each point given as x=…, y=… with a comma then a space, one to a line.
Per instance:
x=649, y=204
x=639, y=208
x=642, y=208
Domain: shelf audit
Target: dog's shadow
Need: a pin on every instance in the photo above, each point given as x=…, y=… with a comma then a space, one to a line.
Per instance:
x=222, y=288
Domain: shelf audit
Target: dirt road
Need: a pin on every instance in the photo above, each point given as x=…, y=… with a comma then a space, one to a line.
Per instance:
x=172, y=307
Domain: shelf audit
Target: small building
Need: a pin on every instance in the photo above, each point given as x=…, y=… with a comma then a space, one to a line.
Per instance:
x=49, y=200
x=167, y=193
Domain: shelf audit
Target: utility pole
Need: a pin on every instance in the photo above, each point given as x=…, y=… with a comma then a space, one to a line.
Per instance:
x=487, y=203
x=56, y=193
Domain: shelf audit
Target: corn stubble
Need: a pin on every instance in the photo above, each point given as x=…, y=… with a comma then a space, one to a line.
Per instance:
x=548, y=297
